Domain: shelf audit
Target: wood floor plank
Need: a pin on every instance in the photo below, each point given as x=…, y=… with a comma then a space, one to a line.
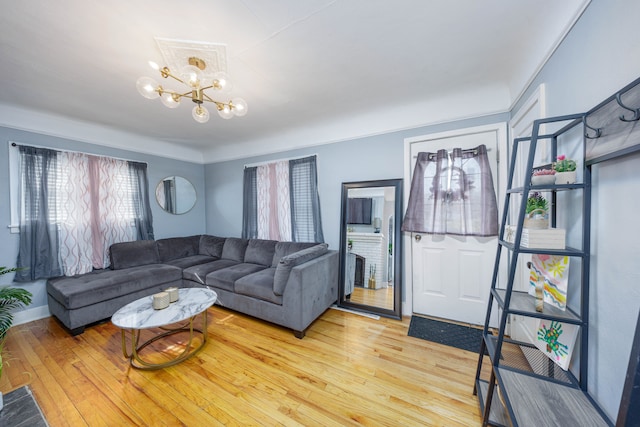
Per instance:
x=348, y=370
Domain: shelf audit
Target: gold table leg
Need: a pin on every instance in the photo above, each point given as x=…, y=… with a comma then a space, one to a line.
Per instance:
x=134, y=357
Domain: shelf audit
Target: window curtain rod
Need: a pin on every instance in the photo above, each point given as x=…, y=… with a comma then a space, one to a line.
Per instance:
x=449, y=153
x=15, y=144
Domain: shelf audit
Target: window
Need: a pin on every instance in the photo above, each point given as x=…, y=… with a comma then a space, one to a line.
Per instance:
x=73, y=206
x=281, y=201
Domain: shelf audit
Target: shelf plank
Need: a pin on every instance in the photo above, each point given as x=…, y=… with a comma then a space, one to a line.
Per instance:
x=541, y=403
x=568, y=251
x=498, y=415
x=522, y=303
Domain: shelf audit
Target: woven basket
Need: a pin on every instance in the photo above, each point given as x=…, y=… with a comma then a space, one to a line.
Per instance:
x=536, y=223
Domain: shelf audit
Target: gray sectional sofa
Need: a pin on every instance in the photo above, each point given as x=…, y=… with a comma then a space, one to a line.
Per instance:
x=287, y=283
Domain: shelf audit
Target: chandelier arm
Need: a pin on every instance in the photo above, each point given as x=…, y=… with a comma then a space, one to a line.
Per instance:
x=218, y=103
x=166, y=73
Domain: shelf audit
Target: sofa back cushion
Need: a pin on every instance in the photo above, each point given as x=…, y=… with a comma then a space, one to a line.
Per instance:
x=234, y=249
x=260, y=252
x=211, y=245
x=133, y=254
x=287, y=262
x=178, y=247
x=287, y=248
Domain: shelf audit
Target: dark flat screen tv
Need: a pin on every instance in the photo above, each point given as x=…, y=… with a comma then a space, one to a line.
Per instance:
x=359, y=211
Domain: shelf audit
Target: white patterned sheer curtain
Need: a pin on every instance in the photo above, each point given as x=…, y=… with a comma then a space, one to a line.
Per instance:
x=273, y=200
x=95, y=210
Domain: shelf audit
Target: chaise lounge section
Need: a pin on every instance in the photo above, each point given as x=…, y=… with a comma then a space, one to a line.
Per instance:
x=287, y=283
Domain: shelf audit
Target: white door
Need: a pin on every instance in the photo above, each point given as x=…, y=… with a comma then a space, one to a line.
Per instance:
x=451, y=275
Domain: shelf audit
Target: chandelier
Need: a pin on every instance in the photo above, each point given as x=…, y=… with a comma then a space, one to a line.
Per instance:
x=197, y=81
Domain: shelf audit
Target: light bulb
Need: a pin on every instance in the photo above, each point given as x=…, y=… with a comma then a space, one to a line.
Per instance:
x=200, y=114
x=239, y=106
x=168, y=100
x=191, y=75
x=154, y=65
x=147, y=87
x=225, y=112
x=222, y=80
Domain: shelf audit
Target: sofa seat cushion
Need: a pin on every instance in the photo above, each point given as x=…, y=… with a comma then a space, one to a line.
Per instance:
x=198, y=273
x=226, y=277
x=259, y=285
x=178, y=247
x=102, y=285
x=190, y=261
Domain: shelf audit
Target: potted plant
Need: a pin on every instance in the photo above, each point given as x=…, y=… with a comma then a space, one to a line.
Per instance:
x=537, y=210
x=543, y=177
x=350, y=244
x=565, y=170
x=10, y=299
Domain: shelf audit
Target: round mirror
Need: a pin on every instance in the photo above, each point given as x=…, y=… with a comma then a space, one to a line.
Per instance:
x=176, y=195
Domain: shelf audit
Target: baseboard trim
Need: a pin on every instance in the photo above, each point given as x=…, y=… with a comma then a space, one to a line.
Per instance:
x=31, y=314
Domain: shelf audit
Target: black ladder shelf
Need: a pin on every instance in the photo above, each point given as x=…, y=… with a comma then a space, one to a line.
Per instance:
x=533, y=390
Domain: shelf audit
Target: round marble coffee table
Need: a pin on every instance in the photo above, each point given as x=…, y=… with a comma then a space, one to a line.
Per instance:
x=140, y=314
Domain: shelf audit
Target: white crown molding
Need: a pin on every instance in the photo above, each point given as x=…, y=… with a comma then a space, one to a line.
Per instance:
x=63, y=127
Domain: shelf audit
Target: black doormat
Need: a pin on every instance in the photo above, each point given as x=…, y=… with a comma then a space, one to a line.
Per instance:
x=463, y=337
x=21, y=409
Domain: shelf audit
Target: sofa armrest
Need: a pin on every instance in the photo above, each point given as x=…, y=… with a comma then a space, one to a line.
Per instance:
x=286, y=264
x=311, y=288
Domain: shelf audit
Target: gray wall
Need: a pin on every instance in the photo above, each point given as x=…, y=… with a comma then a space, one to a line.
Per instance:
x=165, y=225
x=363, y=159
x=599, y=57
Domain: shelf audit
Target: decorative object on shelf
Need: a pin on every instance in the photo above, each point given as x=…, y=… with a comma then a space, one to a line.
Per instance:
x=10, y=299
x=565, y=170
x=377, y=224
x=350, y=244
x=553, y=272
x=160, y=300
x=543, y=177
x=195, y=67
x=544, y=238
x=537, y=210
x=557, y=340
x=372, y=277
x=174, y=294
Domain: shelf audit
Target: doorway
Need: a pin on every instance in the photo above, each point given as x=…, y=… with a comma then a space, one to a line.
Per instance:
x=450, y=276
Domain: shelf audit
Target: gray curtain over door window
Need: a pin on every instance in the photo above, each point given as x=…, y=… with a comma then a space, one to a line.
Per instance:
x=38, y=249
x=452, y=193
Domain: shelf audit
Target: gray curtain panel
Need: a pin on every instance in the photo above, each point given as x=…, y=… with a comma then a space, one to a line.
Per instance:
x=250, y=204
x=306, y=221
x=38, y=248
x=144, y=217
x=452, y=193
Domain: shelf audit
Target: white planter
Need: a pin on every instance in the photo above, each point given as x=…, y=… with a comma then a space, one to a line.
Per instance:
x=543, y=179
x=565, y=177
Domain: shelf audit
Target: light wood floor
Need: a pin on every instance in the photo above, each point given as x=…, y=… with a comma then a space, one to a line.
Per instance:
x=348, y=370
x=375, y=297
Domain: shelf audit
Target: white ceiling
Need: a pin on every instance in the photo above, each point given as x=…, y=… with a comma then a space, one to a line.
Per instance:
x=312, y=71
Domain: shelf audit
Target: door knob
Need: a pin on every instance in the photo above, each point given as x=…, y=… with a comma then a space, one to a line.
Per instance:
x=418, y=237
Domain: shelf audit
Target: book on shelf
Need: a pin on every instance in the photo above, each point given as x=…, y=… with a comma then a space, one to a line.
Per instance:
x=535, y=238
